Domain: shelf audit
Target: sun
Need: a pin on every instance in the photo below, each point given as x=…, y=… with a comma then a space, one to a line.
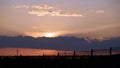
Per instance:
x=46, y=34
x=50, y=35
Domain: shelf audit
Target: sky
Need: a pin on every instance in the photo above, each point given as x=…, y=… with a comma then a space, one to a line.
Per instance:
x=29, y=52
x=52, y=18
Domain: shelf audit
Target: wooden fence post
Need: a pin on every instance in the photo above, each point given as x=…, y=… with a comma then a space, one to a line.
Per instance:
x=91, y=52
x=110, y=51
x=17, y=52
x=58, y=54
x=74, y=53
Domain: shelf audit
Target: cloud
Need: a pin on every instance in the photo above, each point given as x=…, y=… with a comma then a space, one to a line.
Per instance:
x=42, y=10
x=22, y=6
x=100, y=11
x=103, y=27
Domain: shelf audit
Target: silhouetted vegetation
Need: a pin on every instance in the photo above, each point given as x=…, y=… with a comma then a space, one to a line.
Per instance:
x=61, y=61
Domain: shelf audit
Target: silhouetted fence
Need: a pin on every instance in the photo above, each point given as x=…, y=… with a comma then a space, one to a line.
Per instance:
x=92, y=52
x=115, y=50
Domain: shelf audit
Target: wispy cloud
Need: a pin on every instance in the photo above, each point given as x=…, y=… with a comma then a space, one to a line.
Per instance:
x=100, y=11
x=42, y=10
x=21, y=6
x=103, y=27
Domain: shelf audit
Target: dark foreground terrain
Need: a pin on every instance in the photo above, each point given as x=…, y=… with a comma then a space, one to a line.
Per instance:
x=60, y=61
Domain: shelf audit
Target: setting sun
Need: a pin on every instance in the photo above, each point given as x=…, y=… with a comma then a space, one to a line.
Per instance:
x=38, y=34
x=50, y=35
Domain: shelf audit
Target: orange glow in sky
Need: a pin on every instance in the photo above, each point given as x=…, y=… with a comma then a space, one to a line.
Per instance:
x=46, y=34
x=53, y=18
x=50, y=35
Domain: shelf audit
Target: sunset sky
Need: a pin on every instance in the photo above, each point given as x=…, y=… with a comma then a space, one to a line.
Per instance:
x=52, y=18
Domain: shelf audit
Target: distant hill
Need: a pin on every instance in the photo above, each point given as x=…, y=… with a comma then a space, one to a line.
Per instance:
x=58, y=43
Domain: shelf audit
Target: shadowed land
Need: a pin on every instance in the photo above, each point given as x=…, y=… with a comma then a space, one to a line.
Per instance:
x=112, y=61
x=96, y=58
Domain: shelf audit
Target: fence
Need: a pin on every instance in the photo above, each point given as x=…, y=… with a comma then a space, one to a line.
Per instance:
x=92, y=52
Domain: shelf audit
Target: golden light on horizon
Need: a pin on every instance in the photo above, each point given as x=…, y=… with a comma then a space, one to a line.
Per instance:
x=37, y=34
x=50, y=35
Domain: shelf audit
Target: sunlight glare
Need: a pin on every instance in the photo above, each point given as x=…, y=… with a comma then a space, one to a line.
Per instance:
x=38, y=34
x=50, y=35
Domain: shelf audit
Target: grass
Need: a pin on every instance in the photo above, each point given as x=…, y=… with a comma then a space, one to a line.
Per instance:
x=60, y=61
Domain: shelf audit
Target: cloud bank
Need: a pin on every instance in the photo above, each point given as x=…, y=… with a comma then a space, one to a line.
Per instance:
x=42, y=10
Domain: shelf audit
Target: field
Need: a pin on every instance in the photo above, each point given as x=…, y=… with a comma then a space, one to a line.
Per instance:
x=112, y=61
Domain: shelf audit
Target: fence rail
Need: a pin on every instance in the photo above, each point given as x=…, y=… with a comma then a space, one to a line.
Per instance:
x=92, y=52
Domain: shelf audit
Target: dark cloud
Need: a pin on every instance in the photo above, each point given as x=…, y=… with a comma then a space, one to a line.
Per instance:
x=59, y=43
